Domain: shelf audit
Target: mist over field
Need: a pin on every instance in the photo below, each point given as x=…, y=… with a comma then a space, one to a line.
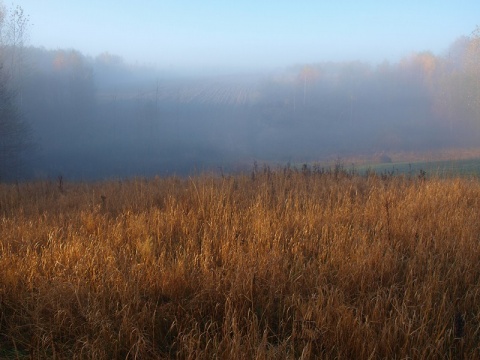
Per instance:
x=85, y=117
x=100, y=117
x=96, y=118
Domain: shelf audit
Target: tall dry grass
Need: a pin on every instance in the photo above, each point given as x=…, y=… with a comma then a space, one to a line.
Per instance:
x=280, y=264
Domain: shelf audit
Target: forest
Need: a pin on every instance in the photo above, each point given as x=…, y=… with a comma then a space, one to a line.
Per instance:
x=88, y=118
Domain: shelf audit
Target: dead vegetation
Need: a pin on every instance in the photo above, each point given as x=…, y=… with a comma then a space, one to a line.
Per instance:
x=279, y=264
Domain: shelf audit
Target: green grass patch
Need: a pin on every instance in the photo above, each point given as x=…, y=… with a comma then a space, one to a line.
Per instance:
x=441, y=168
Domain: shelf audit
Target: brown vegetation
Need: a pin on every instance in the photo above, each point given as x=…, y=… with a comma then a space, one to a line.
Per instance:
x=276, y=264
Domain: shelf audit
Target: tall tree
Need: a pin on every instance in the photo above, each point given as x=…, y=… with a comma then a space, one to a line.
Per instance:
x=13, y=130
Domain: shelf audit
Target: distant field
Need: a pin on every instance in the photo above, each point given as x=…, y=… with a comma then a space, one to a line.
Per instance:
x=442, y=168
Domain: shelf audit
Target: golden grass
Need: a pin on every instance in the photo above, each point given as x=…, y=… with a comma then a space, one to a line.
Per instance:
x=282, y=264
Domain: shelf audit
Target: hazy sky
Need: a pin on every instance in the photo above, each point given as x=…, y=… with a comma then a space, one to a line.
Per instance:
x=249, y=33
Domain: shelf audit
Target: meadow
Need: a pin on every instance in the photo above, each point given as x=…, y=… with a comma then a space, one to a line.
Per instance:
x=270, y=264
x=439, y=168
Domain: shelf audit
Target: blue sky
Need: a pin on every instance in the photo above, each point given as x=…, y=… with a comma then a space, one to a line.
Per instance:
x=249, y=34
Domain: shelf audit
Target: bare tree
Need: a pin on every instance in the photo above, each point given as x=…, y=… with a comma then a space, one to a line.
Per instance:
x=14, y=132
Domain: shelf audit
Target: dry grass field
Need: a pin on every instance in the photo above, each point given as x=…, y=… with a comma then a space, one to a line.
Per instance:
x=271, y=265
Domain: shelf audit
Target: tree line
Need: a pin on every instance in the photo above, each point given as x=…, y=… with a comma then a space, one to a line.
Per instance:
x=64, y=112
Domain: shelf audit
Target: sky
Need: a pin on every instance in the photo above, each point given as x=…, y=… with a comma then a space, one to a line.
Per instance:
x=249, y=33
